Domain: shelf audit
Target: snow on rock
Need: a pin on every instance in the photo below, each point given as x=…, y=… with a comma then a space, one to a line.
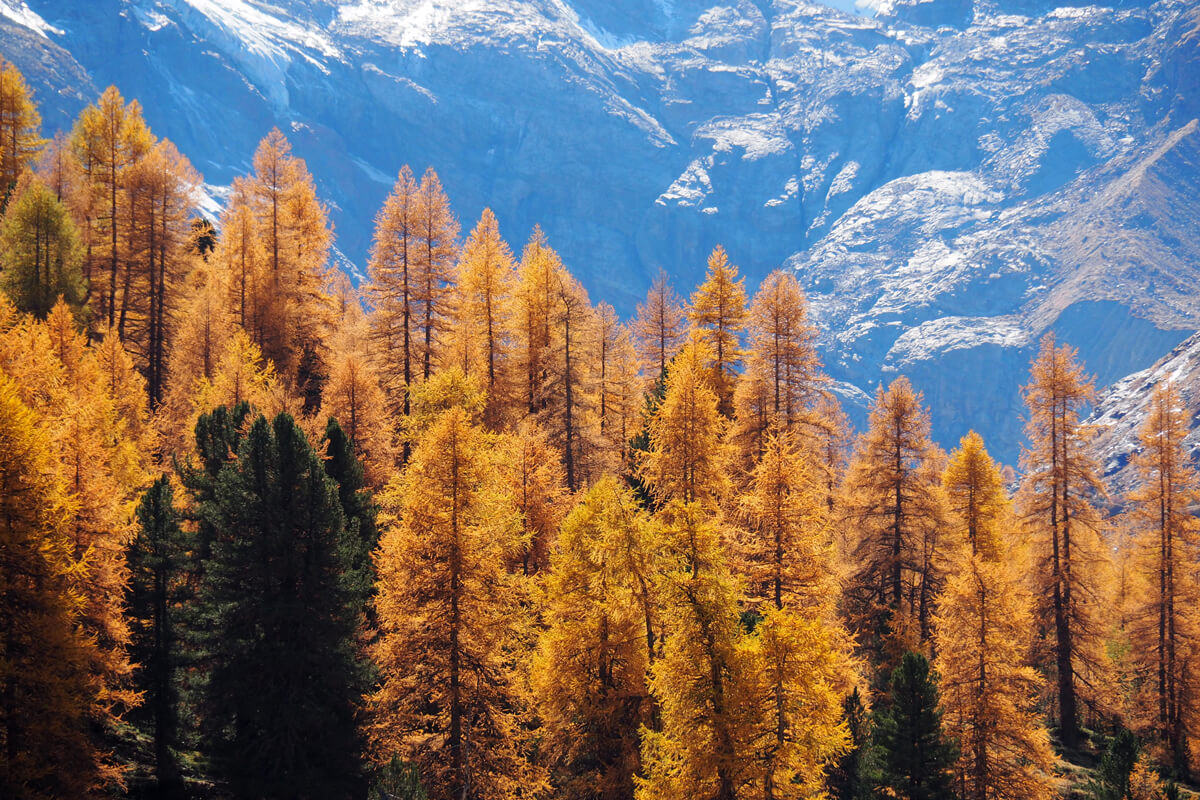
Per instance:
x=1122, y=409
x=950, y=179
x=19, y=12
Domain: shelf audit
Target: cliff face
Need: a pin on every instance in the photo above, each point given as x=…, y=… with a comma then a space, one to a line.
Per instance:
x=951, y=179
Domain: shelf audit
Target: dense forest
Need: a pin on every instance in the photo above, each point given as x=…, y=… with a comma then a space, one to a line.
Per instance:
x=458, y=532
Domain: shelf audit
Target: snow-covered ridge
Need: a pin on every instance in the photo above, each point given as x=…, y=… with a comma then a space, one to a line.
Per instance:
x=19, y=12
x=949, y=179
x=1123, y=408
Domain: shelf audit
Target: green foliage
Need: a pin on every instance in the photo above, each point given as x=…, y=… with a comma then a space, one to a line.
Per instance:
x=397, y=780
x=283, y=676
x=40, y=252
x=916, y=760
x=853, y=776
x=156, y=559
x=639, y=445
x=358, y=508
x=1111, y=781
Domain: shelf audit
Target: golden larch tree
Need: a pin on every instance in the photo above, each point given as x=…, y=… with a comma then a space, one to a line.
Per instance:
x=569, y=388
x=293, y=228
x=20, y=128
x=1163, y=625
x=161, y=188
x=785, y=549
x=718, y=312
x=197, y=342
x=617, y=388
x=893, y=499
x=241, y=263
x=483, y=313
x=109, y=138
x=537, y=278
x=684, y=461
x=783, y=341
x=355, y=398
x=801, y=663
x=660, y=327
x=701, y=682
x=446, y=699
x=783, y=385
x=799, y=669
x=392, y=289
x=1055, y=500
x=984, y=631
x=43, y=655
x=435, y=231
x=589, y=672
x=533, y=476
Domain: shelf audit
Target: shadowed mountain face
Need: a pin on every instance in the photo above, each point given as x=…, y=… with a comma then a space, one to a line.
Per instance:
x=949, y=179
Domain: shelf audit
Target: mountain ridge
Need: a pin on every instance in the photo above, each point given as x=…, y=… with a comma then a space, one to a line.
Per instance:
x=949, y=179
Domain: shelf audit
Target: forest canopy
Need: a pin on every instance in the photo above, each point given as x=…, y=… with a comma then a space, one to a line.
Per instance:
x=460, y=532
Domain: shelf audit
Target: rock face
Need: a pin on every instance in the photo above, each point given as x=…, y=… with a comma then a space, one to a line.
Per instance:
x=949, y=178
x=1122, y=409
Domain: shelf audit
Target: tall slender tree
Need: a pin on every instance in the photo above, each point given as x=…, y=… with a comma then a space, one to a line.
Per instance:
x=718, y=312
x=893, y=497
x=44, y=674
x=157, y=559
x=537, y=278
x=984, y=638
x=435, y=231
x=20, y=126
x=483, y=313
x=1060, y=480
x=110, y=137
x=446, y=699
x=786, y=549
x=588, y=676
x=393, y=288
x=659, y=326
x=294, y=231
x=684, y=460
x=1164, y=627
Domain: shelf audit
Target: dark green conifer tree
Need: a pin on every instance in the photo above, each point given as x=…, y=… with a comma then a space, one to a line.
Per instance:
x=852, y=777
x=916, y=760
x=156, y=561
x=284, y=674
x=358, y=508
x=1111, y=780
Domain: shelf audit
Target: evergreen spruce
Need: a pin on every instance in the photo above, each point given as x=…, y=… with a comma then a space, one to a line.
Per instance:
x=283, y=680
x=359, y=511
x=1111, y=781
x=851, y=778
x=916, y=760
x=155, y=563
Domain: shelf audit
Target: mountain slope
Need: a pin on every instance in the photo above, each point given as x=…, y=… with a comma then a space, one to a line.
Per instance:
x=951, y=179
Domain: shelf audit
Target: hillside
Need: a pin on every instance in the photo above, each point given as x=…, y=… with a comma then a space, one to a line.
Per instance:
x=950, y=179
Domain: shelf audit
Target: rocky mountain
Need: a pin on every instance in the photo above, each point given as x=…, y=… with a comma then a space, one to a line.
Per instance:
x=1122, y=409
x=950, y=178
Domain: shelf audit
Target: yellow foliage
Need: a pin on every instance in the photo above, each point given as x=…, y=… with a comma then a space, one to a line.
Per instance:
x=684, y=461
x=893, y=498
x=718, y=313
x=447, y=699
x=1055, y=502
x=1161, y=619
x=984, y=638
x=588, y=675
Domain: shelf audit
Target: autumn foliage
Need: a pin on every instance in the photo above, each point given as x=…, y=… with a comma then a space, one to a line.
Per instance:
x=461, y=533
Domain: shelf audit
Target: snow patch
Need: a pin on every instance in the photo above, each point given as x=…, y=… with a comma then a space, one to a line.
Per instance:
x=19, y=12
